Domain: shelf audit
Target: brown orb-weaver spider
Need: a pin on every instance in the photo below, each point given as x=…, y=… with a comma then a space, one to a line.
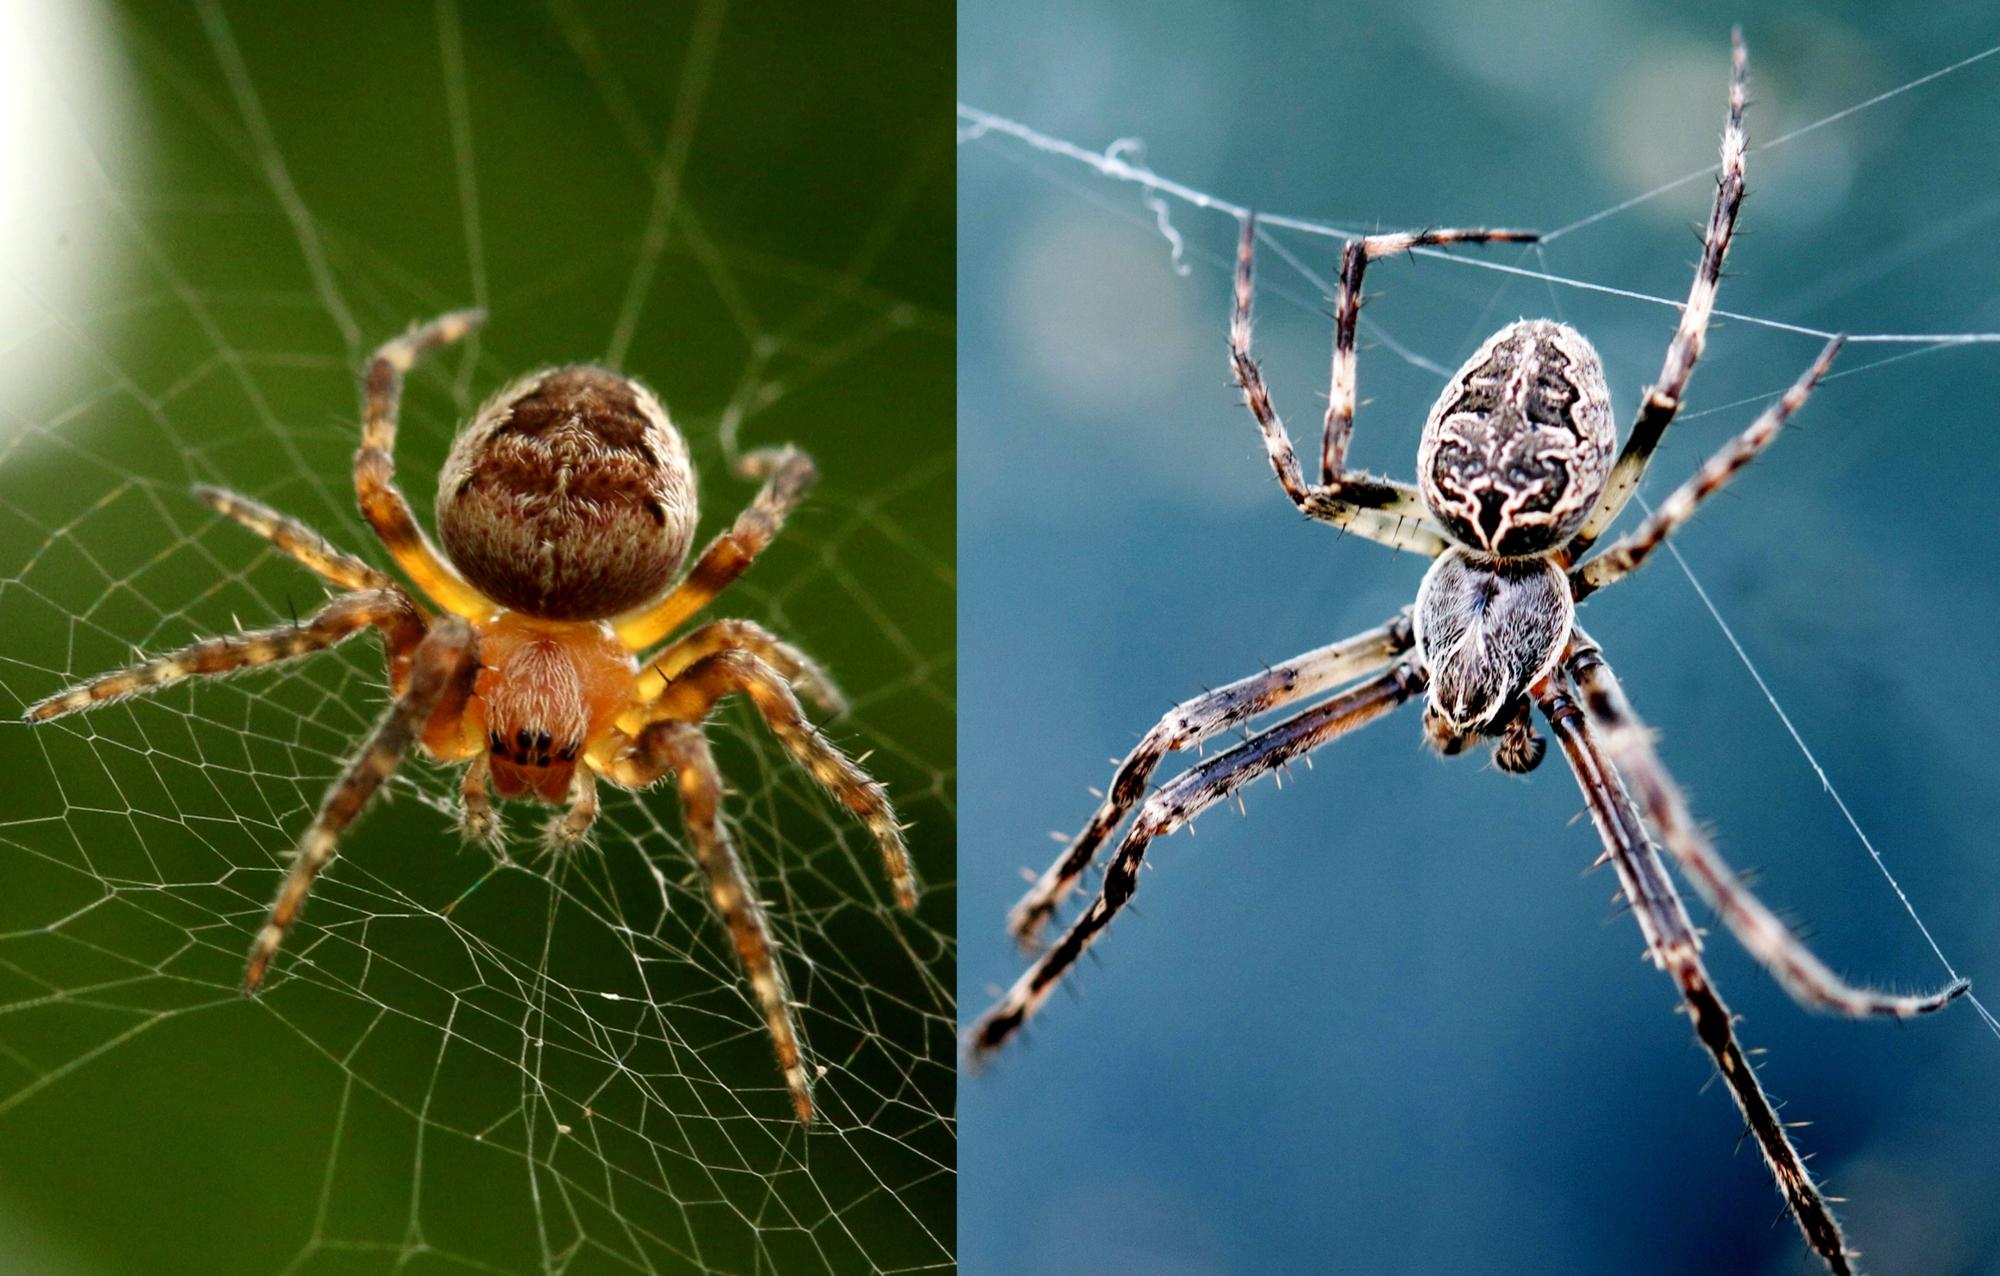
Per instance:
x=1519, y=475
x=566, y=508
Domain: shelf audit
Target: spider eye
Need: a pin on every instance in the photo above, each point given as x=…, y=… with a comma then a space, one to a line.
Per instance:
x=499, y=745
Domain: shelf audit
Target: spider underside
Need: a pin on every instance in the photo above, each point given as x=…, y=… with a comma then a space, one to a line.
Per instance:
x=1519, y=475
x=566, y=510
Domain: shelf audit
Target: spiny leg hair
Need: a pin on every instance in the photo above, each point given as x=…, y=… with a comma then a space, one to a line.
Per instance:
x=1379, y=509
x=389, y=610
x=573, y=825
x=690, y=697
x=802, y=671
x=1629, y=552
x=1675, y=947
x=788, y=475
x=1354, y=259
x=441, y=678
x=297, y=540
x=680, y=748
x=1663, y=400
x=382, y=502
x=1178, y=802
x=1186, y=726
x=1810, y=982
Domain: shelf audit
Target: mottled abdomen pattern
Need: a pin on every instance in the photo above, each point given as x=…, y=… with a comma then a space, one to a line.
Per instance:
x=1520, y=443
x=1487, y=630
x=570, y=496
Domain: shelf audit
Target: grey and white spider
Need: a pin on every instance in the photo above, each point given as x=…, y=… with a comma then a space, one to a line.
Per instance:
x=1519, y=476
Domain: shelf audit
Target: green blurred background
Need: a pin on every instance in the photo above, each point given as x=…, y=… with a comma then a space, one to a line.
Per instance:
x=212, y=213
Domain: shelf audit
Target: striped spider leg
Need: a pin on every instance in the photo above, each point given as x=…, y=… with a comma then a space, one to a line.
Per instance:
x=1187, y=726
x=1663, y=400
x=1178, y=803
x=1382, y=510
x=665, y=738
x=1608, y=748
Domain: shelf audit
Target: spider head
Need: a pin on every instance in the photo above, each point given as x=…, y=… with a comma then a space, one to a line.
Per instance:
x=569, y=496
x=546, y=690
x=1519, y=445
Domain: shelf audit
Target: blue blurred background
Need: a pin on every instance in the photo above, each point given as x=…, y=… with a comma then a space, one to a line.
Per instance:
x=1386, y=1023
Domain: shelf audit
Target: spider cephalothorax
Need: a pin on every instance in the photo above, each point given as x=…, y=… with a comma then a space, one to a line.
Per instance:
x=1516, y=481
x=566, y=508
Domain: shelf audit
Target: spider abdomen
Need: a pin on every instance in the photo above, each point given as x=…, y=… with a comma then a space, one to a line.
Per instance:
x=1487, y=630
x=1519, y=444
x=570, y=496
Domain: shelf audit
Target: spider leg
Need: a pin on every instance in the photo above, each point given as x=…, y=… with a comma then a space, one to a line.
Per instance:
x=1384, y=511
x=1187, y=725
x=788, y=474
x=1675, y=947
x=1790, y=962
x=1663, y=400
x=476, y=818
x=1180, y=801
x=441, y=678
x=681, y=748
x=389, y=610
x=295, y=539
x=801, y=670
x=1354, y=259
x=382, y=503
x=691, y=696
x=1629, y=552
x=573, y=825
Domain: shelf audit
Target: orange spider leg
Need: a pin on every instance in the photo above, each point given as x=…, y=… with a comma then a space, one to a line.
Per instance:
x=802, y=671
x=788, y=474
x=382, y=503
x=690, y=698
x=440, y=681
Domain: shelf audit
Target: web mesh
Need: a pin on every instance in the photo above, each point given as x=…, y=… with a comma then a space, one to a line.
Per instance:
x=464, y=1063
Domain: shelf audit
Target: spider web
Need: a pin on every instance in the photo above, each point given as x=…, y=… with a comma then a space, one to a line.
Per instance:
x=462, y=1063
x=1056, y=186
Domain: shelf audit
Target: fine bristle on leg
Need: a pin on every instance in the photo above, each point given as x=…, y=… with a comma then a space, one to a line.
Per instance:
x=801, y=670
x=1176, y=804
x=681, y=749
x=1675, y=947
x=1802, y=974
x=1186, y=726
x=691, y=696
x=1631, y=551
x=382, y=502
x=295, y=539
x=1663, y=400
x=788, y=475
x=389, y=610
x=441, y=676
